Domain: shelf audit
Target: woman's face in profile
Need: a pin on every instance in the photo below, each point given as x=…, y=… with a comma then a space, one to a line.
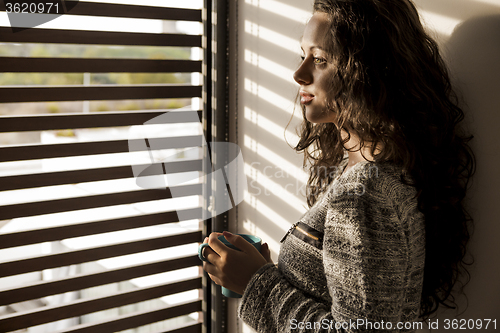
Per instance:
x=315, y=73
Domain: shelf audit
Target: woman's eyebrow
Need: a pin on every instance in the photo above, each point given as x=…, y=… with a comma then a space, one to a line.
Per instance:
x=312, y=48
x=316, y=47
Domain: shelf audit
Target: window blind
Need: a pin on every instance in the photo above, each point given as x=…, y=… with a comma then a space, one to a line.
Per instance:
x=65, y=288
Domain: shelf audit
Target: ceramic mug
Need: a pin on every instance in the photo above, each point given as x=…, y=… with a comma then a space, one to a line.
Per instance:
x=254, y=240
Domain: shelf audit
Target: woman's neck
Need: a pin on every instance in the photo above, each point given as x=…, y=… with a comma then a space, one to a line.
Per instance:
x=356, y=154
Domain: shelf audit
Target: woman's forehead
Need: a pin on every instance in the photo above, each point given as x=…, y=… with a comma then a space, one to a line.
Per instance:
x=315, y=31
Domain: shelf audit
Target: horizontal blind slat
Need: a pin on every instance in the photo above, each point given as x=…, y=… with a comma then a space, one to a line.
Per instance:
x=95, y=201
x=21, y=238
x=90, y=120
x=84, y=306
x=83, y=281
x=137, y=319
x=127, y=11
x=194, y=327
x=25, y=94
x=76, y=65
x=35, y=152
x=91, y=175
x=98, y=37
x=96, y=253
x=135, y=11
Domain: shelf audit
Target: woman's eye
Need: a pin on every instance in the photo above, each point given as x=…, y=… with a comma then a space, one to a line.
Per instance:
x=319, y=61
x=316, y=61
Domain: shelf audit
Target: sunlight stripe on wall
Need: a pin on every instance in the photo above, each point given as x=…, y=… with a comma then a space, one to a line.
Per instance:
x=271, y=36
x=279, y=8
x=269, y=66
x=271, y=97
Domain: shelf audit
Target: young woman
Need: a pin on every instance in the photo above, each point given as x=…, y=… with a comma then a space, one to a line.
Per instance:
x=384, y=241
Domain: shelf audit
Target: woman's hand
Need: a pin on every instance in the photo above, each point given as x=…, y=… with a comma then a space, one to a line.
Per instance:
x=230, y=268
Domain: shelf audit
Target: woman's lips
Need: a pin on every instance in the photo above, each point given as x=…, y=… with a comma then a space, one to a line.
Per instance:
x=306, y=98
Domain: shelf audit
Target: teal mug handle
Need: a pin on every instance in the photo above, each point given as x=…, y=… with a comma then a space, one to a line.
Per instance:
x=200, y=251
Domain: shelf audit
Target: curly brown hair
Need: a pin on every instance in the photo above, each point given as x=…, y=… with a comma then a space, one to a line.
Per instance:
x=392, y=89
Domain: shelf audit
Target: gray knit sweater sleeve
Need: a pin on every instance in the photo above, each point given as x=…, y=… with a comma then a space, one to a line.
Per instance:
x=369, y=268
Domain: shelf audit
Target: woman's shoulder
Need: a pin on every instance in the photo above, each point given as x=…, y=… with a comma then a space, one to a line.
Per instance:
x=380, y=179
x=372, y=172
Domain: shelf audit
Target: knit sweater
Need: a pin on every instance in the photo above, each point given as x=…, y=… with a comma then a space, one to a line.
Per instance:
x=353, y=263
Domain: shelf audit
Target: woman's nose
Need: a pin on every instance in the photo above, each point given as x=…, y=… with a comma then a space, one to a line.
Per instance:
x=303, y=75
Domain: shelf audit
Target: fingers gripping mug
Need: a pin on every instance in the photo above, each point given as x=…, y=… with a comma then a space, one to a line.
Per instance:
x=254, y=240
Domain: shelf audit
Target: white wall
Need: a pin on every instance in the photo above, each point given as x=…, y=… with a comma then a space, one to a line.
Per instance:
x=468, y=32
x=269, y=51
x=268, y=45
